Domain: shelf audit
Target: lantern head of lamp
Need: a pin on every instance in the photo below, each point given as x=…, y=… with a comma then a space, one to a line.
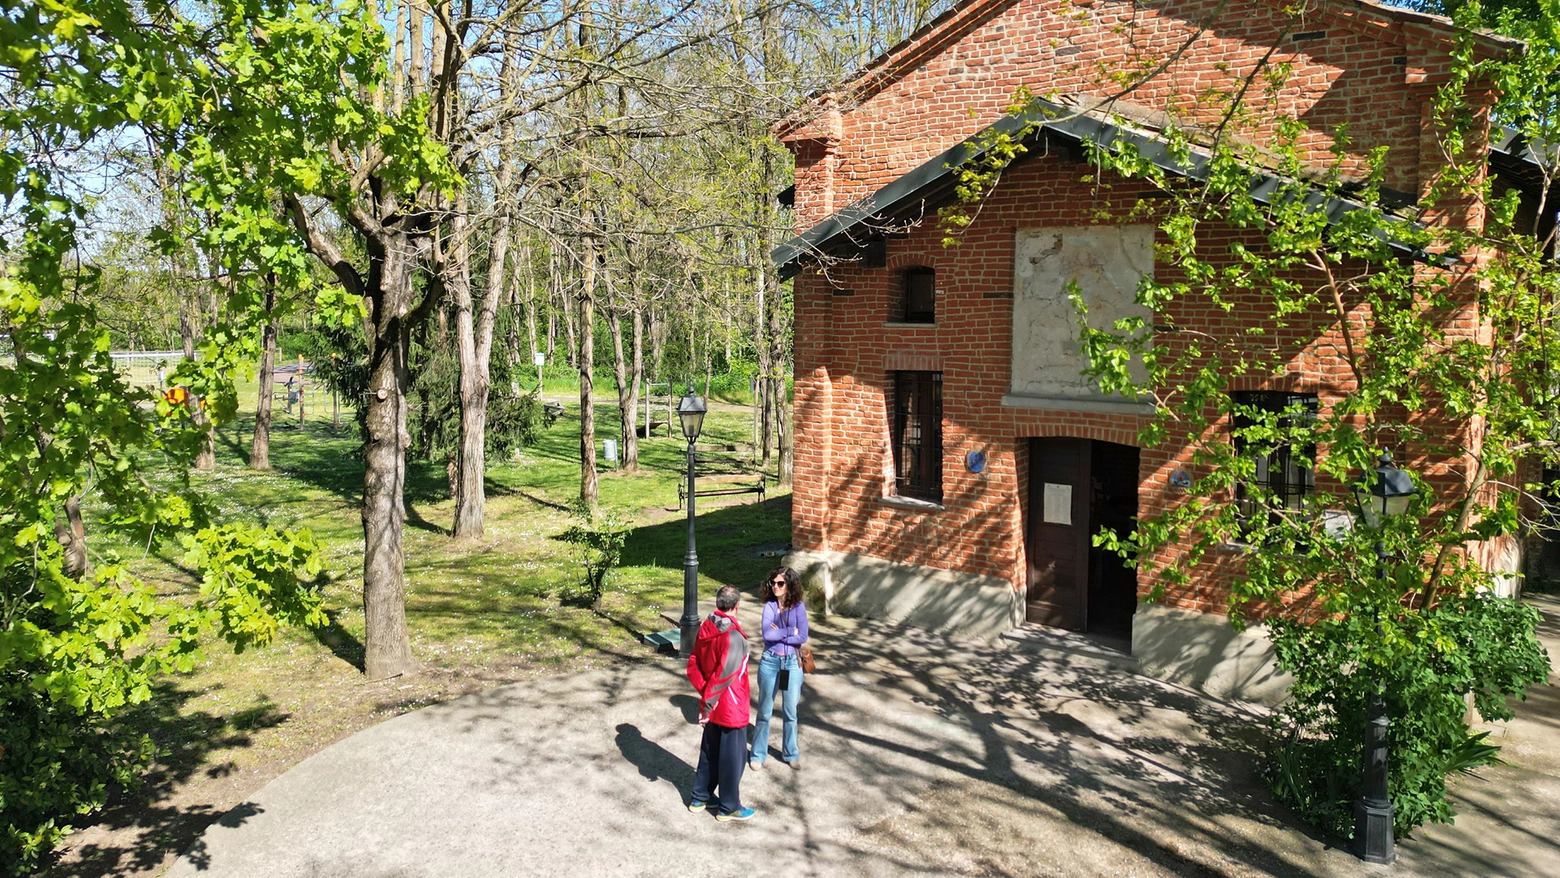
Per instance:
x=690, y=410
x=1385, y=493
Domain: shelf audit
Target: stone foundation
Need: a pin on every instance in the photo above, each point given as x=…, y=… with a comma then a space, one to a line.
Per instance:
x=1201, y=650
x=945, y=601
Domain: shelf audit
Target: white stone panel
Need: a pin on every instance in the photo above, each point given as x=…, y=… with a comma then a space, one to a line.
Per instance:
x=1106, y=262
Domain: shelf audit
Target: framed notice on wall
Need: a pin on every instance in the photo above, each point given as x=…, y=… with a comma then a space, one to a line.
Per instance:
x=1058, y=504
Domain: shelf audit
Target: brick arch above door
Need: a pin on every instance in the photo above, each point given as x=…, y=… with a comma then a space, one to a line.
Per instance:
x=1120, y=430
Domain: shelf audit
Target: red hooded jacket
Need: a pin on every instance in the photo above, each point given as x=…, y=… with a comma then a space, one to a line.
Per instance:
x=718, y=669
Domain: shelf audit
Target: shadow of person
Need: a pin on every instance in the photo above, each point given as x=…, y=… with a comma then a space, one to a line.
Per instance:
x=654, y=761
x=689, y=705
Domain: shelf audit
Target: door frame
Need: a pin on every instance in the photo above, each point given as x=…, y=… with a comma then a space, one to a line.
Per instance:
x=1071, y=610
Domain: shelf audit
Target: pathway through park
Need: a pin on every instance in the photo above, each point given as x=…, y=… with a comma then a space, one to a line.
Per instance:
x=921, y=756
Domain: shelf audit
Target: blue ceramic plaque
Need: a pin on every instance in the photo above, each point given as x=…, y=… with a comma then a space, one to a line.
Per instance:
x=975, y=461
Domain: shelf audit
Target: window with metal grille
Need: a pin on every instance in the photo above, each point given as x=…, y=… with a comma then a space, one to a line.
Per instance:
x=918, y=303
x=918, y=435
x=1282, y=480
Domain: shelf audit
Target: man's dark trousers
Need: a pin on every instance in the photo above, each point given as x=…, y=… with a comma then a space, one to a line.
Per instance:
x=722, y=759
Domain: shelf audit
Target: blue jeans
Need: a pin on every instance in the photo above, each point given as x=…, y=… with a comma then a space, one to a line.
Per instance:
x=769, y=668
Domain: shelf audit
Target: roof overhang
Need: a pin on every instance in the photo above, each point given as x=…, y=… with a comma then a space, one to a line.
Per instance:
x=908, y=198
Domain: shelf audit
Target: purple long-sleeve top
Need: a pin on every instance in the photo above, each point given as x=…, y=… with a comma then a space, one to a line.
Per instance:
x=784, y=630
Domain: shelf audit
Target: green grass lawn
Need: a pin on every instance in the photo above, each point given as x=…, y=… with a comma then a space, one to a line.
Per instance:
x=497, y=597
x=481, y=613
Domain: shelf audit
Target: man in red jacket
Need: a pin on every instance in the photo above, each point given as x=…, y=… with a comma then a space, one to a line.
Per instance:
x=718, y=669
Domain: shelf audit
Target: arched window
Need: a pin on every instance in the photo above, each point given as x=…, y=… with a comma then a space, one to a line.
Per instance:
x=918, y=299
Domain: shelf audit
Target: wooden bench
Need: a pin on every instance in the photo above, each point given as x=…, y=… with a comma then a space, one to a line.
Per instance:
x=551, y=412
x=654, y=426
x=729, y=470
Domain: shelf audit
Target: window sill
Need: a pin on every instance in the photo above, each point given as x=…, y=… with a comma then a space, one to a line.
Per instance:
x=911, y=503
x=900, y=324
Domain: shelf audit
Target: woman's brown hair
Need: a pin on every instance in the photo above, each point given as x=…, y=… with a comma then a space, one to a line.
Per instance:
x=793, y=587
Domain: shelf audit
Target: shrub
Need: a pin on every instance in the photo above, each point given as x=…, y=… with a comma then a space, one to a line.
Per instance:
x=598, y=539
x=1477, y=644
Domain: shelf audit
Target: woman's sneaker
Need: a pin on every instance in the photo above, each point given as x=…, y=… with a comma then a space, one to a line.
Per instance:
x=696, y=807
x=739, y=814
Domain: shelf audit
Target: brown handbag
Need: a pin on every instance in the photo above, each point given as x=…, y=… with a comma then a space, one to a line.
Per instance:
x=806, y=657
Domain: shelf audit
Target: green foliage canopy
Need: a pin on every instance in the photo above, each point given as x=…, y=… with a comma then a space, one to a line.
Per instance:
x=239, y=96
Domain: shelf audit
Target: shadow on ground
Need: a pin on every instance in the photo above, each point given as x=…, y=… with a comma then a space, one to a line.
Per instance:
x=184, y=739
x=1159, y=770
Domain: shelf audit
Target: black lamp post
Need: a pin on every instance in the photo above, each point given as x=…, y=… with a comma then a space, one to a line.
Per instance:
x=690, y=410
x=1383, y=495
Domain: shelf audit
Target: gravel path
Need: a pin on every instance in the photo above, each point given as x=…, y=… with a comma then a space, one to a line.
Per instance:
x=921, y=756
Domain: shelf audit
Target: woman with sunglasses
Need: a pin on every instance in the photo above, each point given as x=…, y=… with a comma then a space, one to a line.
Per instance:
x=785, y=629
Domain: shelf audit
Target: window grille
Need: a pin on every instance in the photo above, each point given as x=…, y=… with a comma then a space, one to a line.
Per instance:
x=1281, y=480
x=918, y=435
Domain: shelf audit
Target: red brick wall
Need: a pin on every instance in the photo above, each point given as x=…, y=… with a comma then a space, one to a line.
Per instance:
x=846, y=350
x=1369, y=70
x=949, y=84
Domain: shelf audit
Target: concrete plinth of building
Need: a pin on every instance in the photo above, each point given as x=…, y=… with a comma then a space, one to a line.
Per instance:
x=945, y=601
x=1202, y=650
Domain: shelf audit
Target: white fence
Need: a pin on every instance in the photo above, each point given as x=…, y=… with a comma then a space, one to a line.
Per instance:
x=147, y=368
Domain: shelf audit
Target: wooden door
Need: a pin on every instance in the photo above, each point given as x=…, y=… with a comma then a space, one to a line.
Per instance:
x=1058, y=544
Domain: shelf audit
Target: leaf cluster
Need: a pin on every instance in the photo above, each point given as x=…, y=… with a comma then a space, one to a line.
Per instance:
x=598, y=538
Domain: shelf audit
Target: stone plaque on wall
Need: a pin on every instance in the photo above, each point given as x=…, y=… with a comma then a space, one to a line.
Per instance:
x=1106, y=262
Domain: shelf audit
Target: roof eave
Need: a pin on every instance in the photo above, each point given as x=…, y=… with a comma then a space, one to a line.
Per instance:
x=867, y=218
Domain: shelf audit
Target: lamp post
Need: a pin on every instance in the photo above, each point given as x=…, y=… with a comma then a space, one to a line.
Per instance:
x=690, y=410
x=1383, y=495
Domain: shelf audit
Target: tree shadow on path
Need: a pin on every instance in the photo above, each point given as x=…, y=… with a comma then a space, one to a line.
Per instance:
x=185, y=739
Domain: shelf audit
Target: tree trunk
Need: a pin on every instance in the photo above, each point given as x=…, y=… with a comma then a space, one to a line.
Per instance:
x=206, y=458
x=476, y=342
x=71, y=533
x=571, y=338
x=657, y=343
x=470, y=498
x=523, y=266
x=387, y=647
x=387, y=290
x=512, y=340
x=636, y=380
x=787, y=443
x=627, y=390
x=552, y=320
x=588, y=478
x=260, y=444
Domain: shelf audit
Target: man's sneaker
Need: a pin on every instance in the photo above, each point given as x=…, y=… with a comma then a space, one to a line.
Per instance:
x=756, y=764
x=740, y=814
x=795, y=763
x=696, y=807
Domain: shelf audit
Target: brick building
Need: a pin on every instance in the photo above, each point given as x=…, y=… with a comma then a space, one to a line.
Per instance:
x=951, y=463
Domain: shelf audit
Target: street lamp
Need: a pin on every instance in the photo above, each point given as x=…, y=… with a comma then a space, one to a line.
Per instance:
x=690, y=410
x=1383, y=495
